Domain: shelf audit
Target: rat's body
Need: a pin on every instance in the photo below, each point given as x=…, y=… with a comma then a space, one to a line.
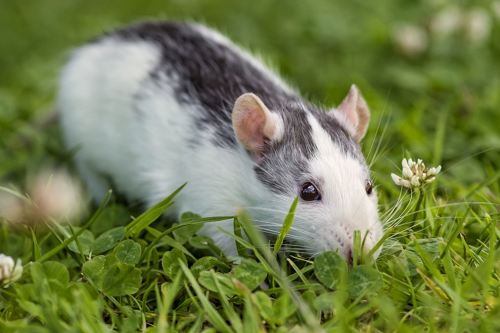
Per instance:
x=159, y=104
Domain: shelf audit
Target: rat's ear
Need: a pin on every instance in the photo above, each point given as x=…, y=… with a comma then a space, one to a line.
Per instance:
x=253, y=122
x=355, y=111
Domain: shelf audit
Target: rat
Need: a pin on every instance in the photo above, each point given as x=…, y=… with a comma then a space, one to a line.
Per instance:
x=157, y=104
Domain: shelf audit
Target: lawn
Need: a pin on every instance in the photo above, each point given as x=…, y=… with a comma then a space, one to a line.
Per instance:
x=430, y=72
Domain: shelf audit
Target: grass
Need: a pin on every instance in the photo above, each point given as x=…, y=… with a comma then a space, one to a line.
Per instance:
x=438, y=271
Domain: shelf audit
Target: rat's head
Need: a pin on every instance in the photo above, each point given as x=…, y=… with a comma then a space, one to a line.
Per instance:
x=300, y=151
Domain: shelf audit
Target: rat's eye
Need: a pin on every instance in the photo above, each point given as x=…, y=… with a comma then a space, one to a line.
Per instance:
x=369, y=187
x=309, y=192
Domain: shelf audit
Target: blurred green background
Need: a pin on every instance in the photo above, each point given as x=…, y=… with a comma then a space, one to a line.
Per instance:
x=430, y=70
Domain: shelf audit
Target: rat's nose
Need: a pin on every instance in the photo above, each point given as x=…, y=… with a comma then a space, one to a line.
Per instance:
x=350, y=258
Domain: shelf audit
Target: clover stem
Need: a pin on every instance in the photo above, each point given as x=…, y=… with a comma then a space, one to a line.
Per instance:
x=419, y=202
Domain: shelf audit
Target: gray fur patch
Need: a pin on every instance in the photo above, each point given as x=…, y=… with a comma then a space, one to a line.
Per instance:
x=285, y=162
x=210, y=74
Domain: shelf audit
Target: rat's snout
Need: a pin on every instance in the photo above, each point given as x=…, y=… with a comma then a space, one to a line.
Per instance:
x=350, y=257
x=340, y=238
x=345, y=245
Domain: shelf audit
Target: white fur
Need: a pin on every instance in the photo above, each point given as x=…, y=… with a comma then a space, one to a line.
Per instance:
x=96, y=103
x=151, y=145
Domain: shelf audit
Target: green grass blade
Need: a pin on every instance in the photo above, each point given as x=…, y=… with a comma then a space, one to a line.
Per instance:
x=428, y=263
x=60, y=240
x=146, y=218
x=299, y=272
x=77, y=242
x=166, y=303
x=378, y=245
x=356, y=247
x=287, y=224
x=150, y=216
x=485, y=183
x=272, y=268
x=36, y=249
x=242, y=251
x=172, y=229
x=171, y=242
x=294, y=276
x=212, y=314
x=20, y=196
x=228, y=309
x=455, y=233
x=448, y=267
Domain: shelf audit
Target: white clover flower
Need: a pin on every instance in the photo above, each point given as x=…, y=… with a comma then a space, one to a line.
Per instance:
x=477, y=24
x=410, y=39
x=56, y=194
x=8, y=271
x=447, y=21
x=415, y=174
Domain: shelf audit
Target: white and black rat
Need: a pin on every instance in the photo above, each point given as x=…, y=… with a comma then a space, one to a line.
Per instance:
x=155, y=105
